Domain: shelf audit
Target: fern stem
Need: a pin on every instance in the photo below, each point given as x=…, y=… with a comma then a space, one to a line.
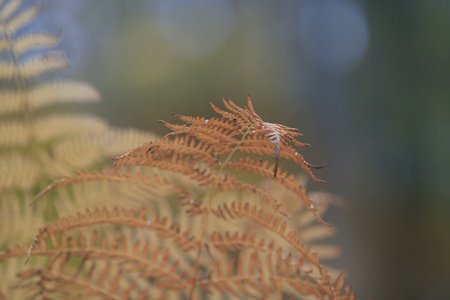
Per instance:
x=206, y=217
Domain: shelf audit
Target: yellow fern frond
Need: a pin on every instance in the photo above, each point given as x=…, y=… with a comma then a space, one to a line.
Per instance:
x=15, y=23
x=10, y=101
x=20, y=228
x=34, y=66
x=18, y=171
x=62, y=125
x=13, y=134
x=9, y=8
x=118, y=140
x=62, y=92
x=29, y=41
x=39, y=65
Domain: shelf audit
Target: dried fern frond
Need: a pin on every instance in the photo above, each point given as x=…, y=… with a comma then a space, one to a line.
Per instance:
x=250, y=221
x=256, y=276
x=243, y=130
x=212, y=142
x=260, y=264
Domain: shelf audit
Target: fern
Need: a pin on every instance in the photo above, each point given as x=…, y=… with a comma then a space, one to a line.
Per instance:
x=37, y=146
x=251, y=251
x=206, y=211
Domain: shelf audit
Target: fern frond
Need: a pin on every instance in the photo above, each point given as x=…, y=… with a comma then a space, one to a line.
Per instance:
x=256, y=276
x=9, y=267
x=62, y=125
x=117, y=140
x=154, y=156
x=30, y=41
x=115, y=176
x=15, y=23
x=47, y=94
x=62, y=92
x=287, y=180
x=49, y=283
x=258, y=144
x=38, y=65
x=34, y=66
x=266, y=220
x=9, y=8
x=276, y=239
x=136, y=258
x=10, y=101
x=127, y=218
x=20, y=228
x=203, y=227
x=77, y=152
x=181, y=145
x=243, y=129
x=13, y=133
x=230, y=183
x=17, y=171
x=218, y=134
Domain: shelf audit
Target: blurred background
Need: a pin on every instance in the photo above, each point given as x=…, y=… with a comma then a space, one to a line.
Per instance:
x=367, y=82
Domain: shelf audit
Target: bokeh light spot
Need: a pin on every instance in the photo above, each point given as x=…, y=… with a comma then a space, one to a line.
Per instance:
x=334, y=33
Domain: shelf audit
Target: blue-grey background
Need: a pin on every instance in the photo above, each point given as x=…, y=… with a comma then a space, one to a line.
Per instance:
x=367, y=82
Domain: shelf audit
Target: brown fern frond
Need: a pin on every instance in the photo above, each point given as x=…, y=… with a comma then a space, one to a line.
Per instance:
x=49, y=283
x=230, y=183
x=129, y=218
x=243, y=129
x=256, y=276
x=227, y=242
x=170, y=160
x=186, y=145
x=301, y=256
x=218, y=134
x=287, y=180
x=136, y=258
x=258, y=144
x=276, y=225
x=200, y=146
